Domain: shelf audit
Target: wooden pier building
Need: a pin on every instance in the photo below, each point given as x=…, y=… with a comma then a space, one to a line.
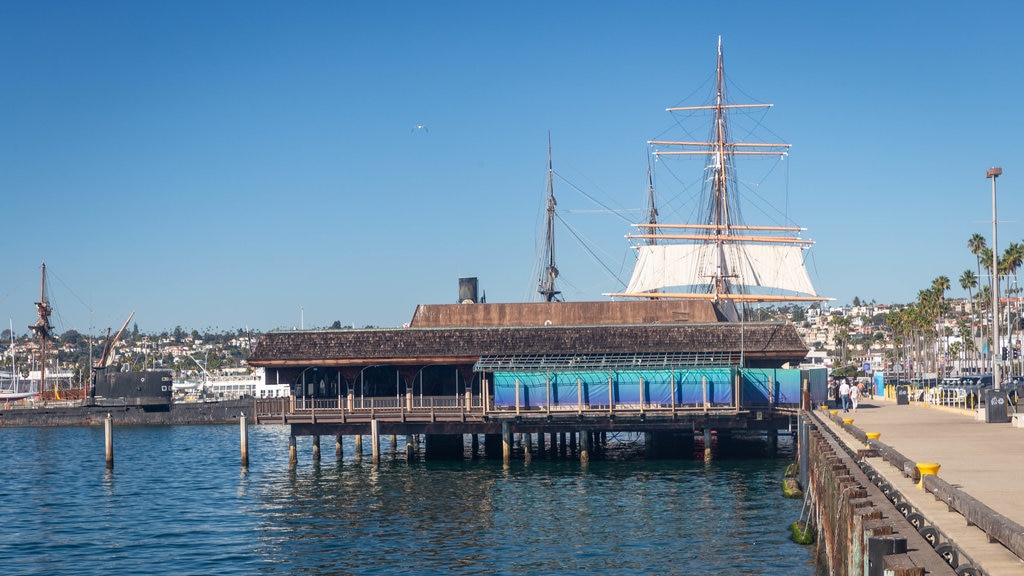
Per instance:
x=546, y=368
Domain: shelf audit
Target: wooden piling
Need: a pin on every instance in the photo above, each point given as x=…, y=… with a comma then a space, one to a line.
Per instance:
x=474, y=447
x=293, y=455
x=584, y=447
x=108, y=441
x=506, y=443
x=316, y=448
x=339, y=452
x=528, y=448
x=707, y=444
x=244, y=440
x=375, y=441
x=410, y=452
x=359, y=447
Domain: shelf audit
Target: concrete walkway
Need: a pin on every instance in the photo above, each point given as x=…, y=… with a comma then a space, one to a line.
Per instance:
x=984, y=460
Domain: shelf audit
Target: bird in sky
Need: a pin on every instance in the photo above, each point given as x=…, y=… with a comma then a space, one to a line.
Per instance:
x=420, y=127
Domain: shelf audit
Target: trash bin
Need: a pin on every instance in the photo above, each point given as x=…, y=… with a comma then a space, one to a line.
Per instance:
x=995, y=406
x=902, y=395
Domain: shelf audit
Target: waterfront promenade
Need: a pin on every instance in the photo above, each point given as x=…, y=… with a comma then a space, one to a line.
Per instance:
x=985, y=460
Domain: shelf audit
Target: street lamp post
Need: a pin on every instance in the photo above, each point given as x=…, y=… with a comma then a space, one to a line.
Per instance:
x=994, y=173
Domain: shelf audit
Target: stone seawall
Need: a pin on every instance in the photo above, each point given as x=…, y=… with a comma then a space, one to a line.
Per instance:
x=858, y=528
x=185, y=413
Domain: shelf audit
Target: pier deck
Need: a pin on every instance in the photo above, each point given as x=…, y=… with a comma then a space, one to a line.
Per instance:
x=985, y=460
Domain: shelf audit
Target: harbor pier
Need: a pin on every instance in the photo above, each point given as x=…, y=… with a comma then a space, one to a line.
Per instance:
x=964, y=511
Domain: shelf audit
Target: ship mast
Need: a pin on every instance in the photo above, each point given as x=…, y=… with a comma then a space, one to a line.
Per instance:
x=42, y=327
x=722, y=230
x=547, y=276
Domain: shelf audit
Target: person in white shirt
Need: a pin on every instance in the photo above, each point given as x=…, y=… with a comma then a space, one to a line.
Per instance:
x=844, y=393
x=854, y=396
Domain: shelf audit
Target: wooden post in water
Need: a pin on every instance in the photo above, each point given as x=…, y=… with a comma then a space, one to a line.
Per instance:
x=339, y=453
x=375, y=441
x=474, y=446
x=410, y=453
x=293, y=455
x=394, y=444
x=707, y=444
x=541, y=447
x=244, y=440
x=584, y=447
x=528, y=447
x=359, y=447
x=108, y=441
x=506, y=443
x=316, y=448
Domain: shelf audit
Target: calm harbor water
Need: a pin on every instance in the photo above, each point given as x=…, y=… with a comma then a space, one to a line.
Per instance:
x=178, y=502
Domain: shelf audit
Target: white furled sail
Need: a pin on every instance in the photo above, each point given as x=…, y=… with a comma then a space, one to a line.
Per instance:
x=769, y=267
x=719, y=258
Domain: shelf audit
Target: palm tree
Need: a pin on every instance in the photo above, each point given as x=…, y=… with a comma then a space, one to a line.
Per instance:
x=969, y=281
x=977, y=245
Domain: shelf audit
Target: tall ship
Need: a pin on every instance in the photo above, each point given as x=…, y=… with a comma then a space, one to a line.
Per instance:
x=719, y=258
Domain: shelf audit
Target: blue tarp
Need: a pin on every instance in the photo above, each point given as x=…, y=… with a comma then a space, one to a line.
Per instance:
x=590, y=389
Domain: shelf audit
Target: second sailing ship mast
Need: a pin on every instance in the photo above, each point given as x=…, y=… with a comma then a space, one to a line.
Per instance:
x=546, y=284
x=42, y=328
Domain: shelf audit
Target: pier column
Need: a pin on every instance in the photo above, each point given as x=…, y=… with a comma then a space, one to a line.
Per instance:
x=339, y=453
x=492, y=445
x=316, y=448
x=506, y=443
x=540, y=445
x=584, y=447
x=244, y=440
x=108, y=441
x=773, y=443
x=359, y=447
x=707, y=444
x=293, y=455
x=394, y=444
x=375, y=441
x=410, y=452
x=528, y=447
x=474, y=446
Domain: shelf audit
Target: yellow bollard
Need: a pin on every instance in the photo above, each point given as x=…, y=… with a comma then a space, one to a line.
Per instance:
x=847, y=421
x=824, y=406
x=926, y=468
x=872, y=436
x=833, y=412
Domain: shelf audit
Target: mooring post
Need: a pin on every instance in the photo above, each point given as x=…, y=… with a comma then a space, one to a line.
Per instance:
x=108, y=441
x=528, y=447
x=506, y=443
x=584, y=447
x=244, y=440
x=293, y=455
x=359, y=447
x=339, y=453
x=316, y=448
x=707, y=444
x=375, y=441
x=409, y=448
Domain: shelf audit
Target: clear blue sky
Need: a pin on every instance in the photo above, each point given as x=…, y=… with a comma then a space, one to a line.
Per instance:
x=225, y=165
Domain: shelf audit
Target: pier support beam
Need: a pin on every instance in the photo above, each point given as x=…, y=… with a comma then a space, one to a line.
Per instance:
x=506, y=443
x=707, y=444
x=359, y=447
x=316, y=448
x=293, y=455
x=528, y=447
x=540, y=446
x=375, y=441
x=339, y=452
x=410, y=447
x=474, y=446
x=584, y=447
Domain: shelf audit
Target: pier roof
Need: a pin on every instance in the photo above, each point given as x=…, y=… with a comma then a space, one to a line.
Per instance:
x=762, y=343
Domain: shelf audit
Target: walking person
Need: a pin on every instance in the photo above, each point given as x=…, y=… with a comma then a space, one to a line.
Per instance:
x=844, y=395
x=854, y=396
